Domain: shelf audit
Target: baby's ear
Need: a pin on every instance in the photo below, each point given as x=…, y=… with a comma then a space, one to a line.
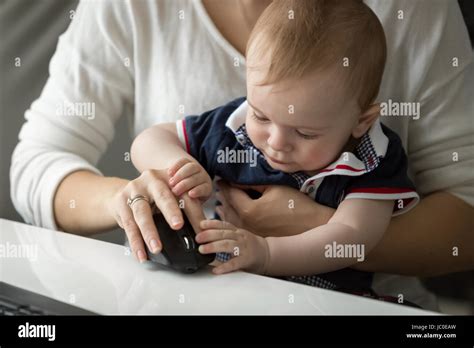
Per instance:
x=366, y=120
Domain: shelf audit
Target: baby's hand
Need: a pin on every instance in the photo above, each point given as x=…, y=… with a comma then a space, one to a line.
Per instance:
x=189, y=176
x=250, y=252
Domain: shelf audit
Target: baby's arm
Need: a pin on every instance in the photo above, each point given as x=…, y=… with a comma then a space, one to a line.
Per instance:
x=359, y=222
x=159, y=147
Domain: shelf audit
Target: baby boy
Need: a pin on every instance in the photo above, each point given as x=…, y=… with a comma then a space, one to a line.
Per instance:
x=309, y=121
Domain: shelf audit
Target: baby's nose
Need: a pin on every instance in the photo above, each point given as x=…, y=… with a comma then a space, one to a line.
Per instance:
x=279, y=143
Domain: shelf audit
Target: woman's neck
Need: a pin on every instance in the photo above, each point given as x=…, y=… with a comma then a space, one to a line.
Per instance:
x=252, y=9
x=235, y=19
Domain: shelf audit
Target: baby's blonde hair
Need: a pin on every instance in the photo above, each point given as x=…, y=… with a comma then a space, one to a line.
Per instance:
x=303, y=36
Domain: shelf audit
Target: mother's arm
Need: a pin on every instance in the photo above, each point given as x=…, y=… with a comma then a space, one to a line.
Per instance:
x=420, y=242
x=434, y=238
x=54, y=179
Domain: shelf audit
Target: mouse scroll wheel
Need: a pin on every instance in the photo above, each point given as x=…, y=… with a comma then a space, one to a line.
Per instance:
x=187, y=242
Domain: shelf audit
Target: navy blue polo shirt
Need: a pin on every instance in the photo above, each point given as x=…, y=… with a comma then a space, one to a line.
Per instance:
x=377, y=169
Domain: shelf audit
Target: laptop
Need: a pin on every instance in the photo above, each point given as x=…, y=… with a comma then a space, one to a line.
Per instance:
x=18, y=301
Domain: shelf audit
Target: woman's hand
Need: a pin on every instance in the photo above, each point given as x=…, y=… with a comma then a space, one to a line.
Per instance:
x=250, y=252
x=189, y=176
x=280, y=211
x=137, y=220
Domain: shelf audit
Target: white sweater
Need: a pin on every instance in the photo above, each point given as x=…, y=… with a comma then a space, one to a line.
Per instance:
x=161, y=60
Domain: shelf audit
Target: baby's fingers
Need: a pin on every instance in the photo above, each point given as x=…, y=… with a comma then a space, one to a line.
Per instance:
x=186, y=185
x=220, y=246
x=186, y=171
x=216, y=224
x=208, y=236
x=233, y=264
x=201, y=191
x=176, y=166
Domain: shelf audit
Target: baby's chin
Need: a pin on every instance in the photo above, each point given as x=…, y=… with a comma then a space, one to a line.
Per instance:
x=286, y=168
x=290, y=167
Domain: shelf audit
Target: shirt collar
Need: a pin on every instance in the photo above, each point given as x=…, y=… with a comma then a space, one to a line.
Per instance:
x=371, y=148
x=237, y=117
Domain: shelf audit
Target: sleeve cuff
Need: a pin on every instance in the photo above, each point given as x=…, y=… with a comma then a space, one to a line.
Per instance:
x=50, y=187
x=405, y=199
x=465, y=193
x=182, y=135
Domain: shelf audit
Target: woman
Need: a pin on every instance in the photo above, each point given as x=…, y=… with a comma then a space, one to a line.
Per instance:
x=154, y=57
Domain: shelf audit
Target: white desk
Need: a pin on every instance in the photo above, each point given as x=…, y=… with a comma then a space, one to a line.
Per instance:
x=104, y=278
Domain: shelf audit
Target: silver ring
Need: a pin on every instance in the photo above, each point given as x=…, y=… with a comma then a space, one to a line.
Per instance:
x=137, y=198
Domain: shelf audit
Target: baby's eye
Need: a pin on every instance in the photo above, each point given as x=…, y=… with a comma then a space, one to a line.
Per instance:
x=258, y=118
x=306, y=136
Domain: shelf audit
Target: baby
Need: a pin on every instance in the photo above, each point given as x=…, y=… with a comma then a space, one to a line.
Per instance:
x=309, y=121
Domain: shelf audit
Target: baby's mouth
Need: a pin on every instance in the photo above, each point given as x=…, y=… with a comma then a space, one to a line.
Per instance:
x=274, y=160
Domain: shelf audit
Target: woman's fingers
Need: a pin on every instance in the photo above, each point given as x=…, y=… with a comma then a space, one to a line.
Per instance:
x=132, y=231
x=221, y=213
x=220, y=197
x=258, y=188
x=144, y=218
x=234, y=196
x=137, y=220
x=227, y=212
x=194, y=212
x=166, y=203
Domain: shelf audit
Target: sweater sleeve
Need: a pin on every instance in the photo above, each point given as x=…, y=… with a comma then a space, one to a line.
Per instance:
x=441, y=146
x=430, y=61
x=70, y=125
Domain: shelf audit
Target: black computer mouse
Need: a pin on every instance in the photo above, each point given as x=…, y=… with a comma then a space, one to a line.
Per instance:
x=180, y=249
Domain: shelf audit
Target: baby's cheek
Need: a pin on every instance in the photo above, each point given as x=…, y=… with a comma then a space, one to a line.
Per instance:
x=314, y=159
x=256, y=132
x=311, y=153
